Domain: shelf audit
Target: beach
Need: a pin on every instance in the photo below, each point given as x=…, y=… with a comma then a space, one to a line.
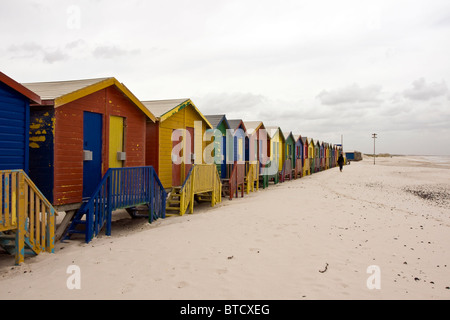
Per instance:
x=370, y=232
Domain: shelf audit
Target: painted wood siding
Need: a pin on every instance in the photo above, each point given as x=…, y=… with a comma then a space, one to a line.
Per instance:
x=222, y=128
x=14, y=121
x=290, y=150
x=277, y=145
x=186, y=117
x=152, y=145
x=41, y=148
x=281, y=152
x=299, y=151
x=68, y=148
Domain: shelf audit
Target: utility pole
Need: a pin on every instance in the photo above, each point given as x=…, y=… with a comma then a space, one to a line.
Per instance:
x=374, y=136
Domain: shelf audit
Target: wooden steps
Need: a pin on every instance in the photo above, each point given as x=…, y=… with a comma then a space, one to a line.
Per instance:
x=8, y=243
x=174, y=199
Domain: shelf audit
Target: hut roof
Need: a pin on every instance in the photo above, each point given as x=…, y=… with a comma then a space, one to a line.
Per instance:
x=164, y=109
x=298, y=137
x=217, y=119
x=32, y=96
x=253, y=126
x=273, y=130
x=287, y=135
x=59, y=93
x=236, y=123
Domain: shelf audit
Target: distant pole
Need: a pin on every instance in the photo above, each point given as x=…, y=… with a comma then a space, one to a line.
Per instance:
x=374, y=136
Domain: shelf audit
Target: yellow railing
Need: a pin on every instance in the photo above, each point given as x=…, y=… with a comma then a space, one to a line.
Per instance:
x=25, y=210
x=186, y=195
x=202, y=178
x=252, y=177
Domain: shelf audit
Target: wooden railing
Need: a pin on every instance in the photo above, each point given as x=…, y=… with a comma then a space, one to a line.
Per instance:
x=237, y=180
x=186, y=195
x=252, y=177
x=217, y=188
x=298, y=170
x=120, y=188
x=27, y=213
x=263, y=178
x=286, y=172
x=202, y=179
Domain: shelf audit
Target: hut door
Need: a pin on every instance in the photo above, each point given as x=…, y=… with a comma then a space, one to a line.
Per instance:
x=188, y=159
x=92, y=152
x=116, y=133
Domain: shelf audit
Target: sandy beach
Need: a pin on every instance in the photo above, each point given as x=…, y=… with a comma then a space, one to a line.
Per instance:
x=312, y=238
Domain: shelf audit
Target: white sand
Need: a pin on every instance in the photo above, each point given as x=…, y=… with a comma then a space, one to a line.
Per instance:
x=270, y=244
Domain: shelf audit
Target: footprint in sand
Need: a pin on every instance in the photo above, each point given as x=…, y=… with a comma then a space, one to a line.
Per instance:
x=127, y=288
x=221, y=271
x=182, y=284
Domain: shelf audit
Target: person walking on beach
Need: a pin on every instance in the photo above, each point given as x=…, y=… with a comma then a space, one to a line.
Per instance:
x=340, y=162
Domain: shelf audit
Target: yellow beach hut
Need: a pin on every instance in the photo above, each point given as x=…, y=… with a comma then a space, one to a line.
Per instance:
x=179, y=125
x=277, y=142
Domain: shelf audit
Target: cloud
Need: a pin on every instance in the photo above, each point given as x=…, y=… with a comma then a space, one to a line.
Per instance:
x=54, y=56
x=24, y=50
x=110, y=52
x=421, y=90
x=350, y=94
x=233, y=103
x=32, y=50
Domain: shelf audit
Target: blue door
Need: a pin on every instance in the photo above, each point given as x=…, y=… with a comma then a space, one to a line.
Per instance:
x=223, y=167
x=92, y=149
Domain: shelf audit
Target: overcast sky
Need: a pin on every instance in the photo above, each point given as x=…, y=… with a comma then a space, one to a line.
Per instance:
x=321, y=69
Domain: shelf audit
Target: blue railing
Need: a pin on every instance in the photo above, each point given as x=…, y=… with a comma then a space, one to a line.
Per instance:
x=120, y=188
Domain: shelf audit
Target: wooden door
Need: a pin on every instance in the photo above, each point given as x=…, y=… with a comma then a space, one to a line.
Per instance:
x=116, y=134
x=92, y=146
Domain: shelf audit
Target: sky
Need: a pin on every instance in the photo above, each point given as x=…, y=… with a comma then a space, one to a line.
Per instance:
x=330, y=70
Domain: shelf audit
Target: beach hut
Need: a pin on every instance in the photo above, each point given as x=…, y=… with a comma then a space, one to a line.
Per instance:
x=237, y=150
x=80, y=130
x=27, y=219
x=220, y=123
x=306, y=166
x=289, y=158
x=353, y=156
x=179, y=127
x=322, y=156
x=325, y=156
x=299, y=157
x=277, y=141
x=330, y=153
x=237, y=153
x=317, y=156
x=15, y=102
x=312, y=155
x=87, y=146
x=259, y=142
x=259, y=148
